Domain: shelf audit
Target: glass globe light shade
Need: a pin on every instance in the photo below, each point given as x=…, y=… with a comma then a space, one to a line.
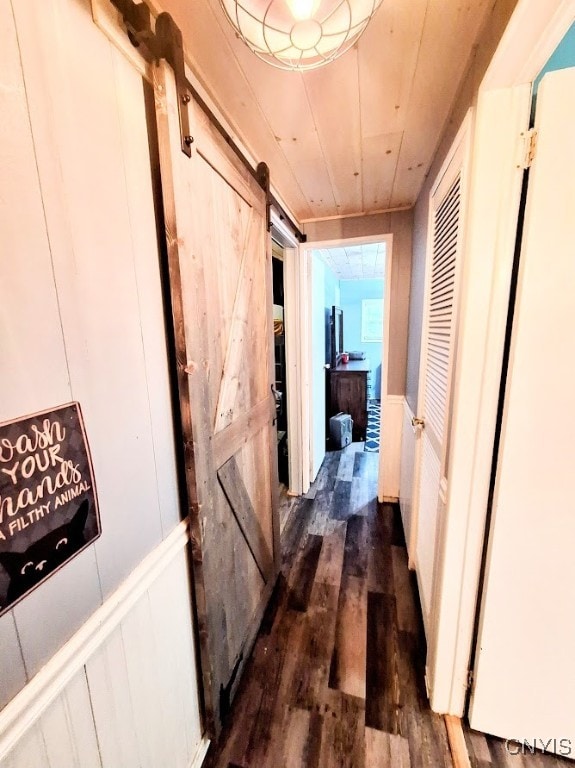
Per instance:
x=299, y=34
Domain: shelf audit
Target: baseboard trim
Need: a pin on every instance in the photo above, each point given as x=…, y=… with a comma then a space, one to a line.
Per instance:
x=395, y=399
x=201, y=752
x=32, y=701
x=456, y=741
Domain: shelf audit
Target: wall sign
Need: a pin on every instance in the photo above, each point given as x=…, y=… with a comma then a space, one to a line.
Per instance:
x=48, y=503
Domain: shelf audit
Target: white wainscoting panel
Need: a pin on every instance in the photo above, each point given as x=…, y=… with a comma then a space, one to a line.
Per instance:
x=407, y=479
x=68, y=728
x=30, y=752
x=123, y=691
x=390, y=447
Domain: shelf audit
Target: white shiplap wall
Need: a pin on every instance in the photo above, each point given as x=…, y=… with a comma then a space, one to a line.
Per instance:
x=123, y=690
x=81, y=318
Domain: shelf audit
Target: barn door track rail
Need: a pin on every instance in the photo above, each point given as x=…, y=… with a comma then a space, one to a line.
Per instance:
x=162, y=39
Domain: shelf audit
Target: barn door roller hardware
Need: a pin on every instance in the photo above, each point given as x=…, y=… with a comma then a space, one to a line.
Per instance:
x=164, y=41
x=263, y=177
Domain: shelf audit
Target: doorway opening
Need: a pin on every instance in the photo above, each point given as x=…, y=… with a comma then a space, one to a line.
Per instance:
x=345, y=344
x=354, y=340
x=284, y=250
x=280, y=391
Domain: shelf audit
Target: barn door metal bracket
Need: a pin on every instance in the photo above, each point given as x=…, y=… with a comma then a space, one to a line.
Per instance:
x=171, y=48
x=161, y=41
x=263, y=177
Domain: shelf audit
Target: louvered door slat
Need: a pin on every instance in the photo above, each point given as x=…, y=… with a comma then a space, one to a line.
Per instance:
x=446, y=206
x=444, y=235
x=444, y=238
x=438, y=306
x=445, y=278
x=439, y=355
x=445, y=249
x=440, y=309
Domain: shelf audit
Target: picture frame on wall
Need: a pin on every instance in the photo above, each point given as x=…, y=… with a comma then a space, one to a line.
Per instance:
x=372, y=320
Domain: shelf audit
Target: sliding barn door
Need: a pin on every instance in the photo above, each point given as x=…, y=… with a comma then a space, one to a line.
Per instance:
x=219, y=257
x=436, y=369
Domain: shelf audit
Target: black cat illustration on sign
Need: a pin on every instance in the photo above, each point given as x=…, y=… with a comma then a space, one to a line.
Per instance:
x=27, y=568
x=48, y=501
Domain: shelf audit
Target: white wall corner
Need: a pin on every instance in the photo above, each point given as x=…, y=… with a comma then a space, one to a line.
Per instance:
x=390, y=450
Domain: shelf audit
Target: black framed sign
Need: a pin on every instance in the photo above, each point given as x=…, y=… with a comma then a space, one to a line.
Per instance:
x=48, y=502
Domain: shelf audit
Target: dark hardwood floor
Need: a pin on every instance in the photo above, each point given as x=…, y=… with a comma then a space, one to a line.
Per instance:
x=336, y=676
x=490, y=752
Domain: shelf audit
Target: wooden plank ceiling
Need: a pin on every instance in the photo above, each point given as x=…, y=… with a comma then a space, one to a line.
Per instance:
x=353, y=137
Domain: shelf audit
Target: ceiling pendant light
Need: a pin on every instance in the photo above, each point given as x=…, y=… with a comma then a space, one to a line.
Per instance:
x=299, y=34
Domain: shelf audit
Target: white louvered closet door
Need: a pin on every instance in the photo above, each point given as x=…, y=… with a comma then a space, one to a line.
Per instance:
x=436, y=368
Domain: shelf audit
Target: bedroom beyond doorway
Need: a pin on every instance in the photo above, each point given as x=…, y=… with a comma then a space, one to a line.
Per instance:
x=348, y=306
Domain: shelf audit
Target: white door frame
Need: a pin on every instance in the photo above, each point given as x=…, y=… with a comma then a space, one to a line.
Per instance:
x=303, y=342
x=502, y=114
x=293, y=333
x=313, y=367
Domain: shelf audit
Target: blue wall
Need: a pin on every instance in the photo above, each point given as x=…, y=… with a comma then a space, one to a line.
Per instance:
x=563, y=57
x=332, y=297
x=351, y=294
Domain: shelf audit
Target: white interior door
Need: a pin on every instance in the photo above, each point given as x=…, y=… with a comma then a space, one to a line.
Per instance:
x=524, y=672
x=436, y=367
x=318, y=372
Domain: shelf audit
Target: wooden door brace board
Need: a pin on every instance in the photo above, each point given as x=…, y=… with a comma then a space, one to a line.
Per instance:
x=235, y=352
x=236, y=493
x=229, y=440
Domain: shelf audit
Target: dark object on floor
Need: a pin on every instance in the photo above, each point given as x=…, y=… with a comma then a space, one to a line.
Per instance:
x=340, y=430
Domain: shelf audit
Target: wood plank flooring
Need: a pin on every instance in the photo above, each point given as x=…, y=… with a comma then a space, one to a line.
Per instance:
x=336, y=676
x=487, y=751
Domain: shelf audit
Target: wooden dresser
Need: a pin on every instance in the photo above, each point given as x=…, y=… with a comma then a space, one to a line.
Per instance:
x=348, y=386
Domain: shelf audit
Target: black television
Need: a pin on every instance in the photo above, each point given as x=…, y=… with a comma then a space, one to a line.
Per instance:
x=336, y=335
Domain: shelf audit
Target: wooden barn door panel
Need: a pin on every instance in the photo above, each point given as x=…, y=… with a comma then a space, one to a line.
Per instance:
x=220, y=281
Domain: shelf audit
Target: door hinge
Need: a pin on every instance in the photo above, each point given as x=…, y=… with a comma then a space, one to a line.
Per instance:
x=470, y=679
x=528, y=147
